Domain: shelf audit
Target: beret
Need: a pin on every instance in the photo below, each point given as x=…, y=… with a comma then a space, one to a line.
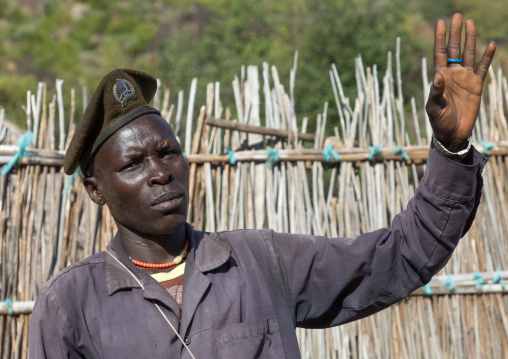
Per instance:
x=121, y=97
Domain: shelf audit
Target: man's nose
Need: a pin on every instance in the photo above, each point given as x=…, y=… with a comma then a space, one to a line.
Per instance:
x=160, y=172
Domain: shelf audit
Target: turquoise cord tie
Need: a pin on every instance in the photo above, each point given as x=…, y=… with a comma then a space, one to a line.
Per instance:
x=232, y=157
x=499, y=279
x=487, y=146
x=449, y=283
x=427, y=290
x=479, y=281
x=374, y=151
x=328, y=153
x=23, y=142
x=400, y=150
x=272, y=156
x=8, y=303
x=184, y=155
x=70, y=180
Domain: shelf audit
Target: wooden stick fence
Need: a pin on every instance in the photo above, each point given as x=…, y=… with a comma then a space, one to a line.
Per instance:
x=248, y=175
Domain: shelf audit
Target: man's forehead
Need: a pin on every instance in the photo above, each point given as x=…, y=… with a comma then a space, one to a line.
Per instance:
x=141, y=131
x=147, y=124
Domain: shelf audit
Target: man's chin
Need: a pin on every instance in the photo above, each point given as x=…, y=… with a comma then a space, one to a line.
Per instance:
x=174, y=226
x=171, y=225
x=167, y=226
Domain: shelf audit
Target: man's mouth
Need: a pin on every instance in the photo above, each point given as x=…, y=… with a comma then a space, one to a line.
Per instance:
x=168, y=201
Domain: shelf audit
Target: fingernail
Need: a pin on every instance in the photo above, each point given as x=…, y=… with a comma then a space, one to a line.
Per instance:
x=437, y=80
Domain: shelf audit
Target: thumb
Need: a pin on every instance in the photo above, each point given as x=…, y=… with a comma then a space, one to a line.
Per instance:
x=438, y=86
x=436, y=102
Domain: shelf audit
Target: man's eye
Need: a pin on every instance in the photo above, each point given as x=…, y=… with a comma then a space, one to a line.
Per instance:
x=171, y=153
x=129, y=166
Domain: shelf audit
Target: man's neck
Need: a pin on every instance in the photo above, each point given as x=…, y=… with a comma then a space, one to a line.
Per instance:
x=154, y=249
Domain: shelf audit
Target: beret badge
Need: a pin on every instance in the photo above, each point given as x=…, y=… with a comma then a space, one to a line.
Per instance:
x=123, y=91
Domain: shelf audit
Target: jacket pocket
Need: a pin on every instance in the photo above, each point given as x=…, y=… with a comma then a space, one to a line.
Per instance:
x=250, y=340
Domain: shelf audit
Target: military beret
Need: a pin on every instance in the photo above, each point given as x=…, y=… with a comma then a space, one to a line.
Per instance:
x=121, y=97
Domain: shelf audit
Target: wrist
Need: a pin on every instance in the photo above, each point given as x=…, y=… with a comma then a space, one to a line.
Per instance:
x=456, y=151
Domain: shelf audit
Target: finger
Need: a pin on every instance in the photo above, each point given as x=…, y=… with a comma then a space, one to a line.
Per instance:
x=440, y=46
x=483, y=65
x=453, y=48
x=469, y=53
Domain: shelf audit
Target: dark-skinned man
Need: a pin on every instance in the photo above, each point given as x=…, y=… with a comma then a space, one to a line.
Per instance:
x=163, y=290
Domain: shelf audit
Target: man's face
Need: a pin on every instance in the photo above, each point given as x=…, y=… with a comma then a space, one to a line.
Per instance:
x=143, y=177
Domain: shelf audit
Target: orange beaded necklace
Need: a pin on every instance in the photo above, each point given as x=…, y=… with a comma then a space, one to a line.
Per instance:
x=177, y=260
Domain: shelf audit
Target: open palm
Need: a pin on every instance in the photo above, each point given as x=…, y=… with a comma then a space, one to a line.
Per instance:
x=455, y=95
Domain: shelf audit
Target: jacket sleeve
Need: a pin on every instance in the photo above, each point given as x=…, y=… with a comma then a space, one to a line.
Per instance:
x=333, y=281
x=51, y=332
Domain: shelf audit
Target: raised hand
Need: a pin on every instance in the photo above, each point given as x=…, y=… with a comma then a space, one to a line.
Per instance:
x=455, y=95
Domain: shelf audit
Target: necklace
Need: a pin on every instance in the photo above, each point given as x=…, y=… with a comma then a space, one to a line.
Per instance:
x=177, y=260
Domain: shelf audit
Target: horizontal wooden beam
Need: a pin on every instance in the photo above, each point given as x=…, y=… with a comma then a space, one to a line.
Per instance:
x=417, y=154
x=37, y=156
x=260, y=130
x=465, y=283
x=15, y=308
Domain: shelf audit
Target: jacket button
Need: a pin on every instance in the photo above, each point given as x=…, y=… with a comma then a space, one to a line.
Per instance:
x=187, y=340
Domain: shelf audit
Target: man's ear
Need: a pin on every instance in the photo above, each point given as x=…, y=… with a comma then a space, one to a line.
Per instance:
x=91, y=186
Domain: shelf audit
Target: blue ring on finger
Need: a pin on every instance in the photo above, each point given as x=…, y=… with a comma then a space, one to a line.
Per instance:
x=455, y=61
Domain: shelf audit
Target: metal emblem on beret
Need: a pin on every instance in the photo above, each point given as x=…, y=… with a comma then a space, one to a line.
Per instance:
x=124, y=91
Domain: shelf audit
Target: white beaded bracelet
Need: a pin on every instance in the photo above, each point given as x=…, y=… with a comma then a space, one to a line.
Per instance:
x=455, y=155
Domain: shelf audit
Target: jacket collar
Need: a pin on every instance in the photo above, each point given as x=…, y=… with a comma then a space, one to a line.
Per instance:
x=117, y=278
x=208, y=253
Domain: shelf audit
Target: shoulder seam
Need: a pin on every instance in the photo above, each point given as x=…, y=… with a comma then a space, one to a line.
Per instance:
x=97, y=258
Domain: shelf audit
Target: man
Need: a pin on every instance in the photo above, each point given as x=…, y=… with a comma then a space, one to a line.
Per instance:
x=162, y=290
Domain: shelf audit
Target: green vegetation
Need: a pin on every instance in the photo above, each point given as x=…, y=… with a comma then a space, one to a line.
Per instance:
x=177, y=40
x=13, y=95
